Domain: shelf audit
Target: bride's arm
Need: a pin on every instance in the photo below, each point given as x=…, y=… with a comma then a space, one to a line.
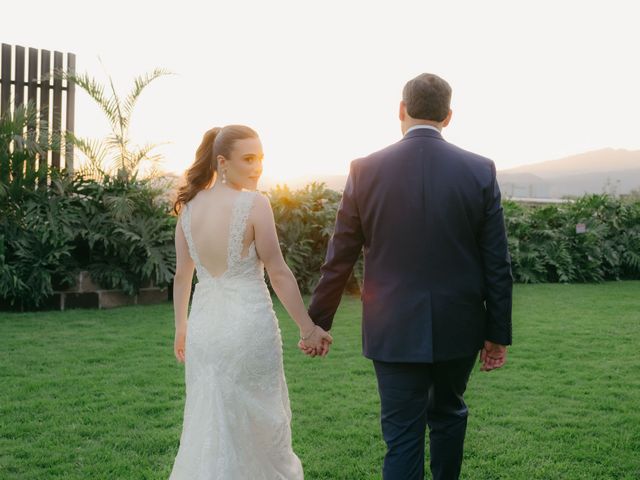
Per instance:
x=281, y=277
x=181, y=289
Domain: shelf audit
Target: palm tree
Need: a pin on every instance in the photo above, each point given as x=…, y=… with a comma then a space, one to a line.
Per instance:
x=114, y=155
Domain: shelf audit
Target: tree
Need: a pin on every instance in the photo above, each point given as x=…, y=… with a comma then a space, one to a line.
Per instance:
x=114, y=155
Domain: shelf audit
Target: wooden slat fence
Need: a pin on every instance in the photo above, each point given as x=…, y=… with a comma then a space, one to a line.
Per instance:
x=53, y=97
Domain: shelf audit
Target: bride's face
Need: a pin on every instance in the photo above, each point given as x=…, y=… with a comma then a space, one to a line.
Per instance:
x=244, y=165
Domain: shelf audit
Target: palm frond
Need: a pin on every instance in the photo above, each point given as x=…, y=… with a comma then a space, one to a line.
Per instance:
x=95, y=153
x=121, y=161
x=95, y=91
x=143, y=153
x=90, y=171
x=140, y=83
x=94, y=150
x=117, y=162
x=116, y=141
x=123, y=121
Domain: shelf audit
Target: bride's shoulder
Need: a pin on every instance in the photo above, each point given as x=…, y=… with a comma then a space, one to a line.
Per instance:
x=261, y=206
x=261, y=199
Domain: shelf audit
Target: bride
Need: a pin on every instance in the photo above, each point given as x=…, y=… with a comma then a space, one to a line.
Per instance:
x=236, y=415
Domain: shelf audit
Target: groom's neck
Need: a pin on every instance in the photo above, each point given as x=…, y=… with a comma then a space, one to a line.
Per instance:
x=408, y=123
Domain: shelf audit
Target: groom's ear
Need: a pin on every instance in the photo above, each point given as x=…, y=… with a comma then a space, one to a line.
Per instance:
x=402, y=113
x=448, y=119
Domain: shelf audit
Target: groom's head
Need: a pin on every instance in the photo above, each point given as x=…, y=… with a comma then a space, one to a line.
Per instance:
x=426, y=99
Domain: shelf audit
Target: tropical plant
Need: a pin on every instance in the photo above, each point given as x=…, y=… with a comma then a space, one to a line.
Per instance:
x=546, y=244
x=115, y=155
x=108, y=222
x=21, y=150
x=544, y=241
x=304, y=221
x=33, y=246
x=125, y=237
x=115, y=229
x=36, y=245
x=121, y=230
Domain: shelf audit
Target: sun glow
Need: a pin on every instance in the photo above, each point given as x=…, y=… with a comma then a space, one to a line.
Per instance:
x=319, y=101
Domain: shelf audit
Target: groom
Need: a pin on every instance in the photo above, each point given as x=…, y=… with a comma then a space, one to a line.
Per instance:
x=437, y=286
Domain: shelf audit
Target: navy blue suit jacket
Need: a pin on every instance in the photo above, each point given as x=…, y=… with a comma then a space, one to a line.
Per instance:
x=437, y=279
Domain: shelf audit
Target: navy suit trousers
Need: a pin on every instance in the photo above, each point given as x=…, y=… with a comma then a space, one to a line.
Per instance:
x=414, y=396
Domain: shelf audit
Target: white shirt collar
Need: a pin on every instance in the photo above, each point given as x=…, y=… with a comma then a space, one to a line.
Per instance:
x=416, y=127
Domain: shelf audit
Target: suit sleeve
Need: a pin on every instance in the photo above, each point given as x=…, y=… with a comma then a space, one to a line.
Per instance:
x=497, y=266
x=343, y=250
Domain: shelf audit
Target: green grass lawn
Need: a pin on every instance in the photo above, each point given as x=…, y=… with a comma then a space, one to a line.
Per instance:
x=98, y=394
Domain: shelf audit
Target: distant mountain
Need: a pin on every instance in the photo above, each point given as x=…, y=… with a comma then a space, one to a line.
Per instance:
x=611, y=170
x=620, y=181
x=603, y=161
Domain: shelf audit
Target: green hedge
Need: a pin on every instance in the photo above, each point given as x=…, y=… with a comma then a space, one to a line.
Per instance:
x=543, y=241
x=122, y=232
x=545, y=244
x=304, y=220
x=118, y=230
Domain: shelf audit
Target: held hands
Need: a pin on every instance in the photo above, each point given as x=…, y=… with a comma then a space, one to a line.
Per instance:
x=492, y=356
x=316, y=342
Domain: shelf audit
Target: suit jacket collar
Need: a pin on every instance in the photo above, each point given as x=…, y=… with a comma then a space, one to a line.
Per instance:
x=423, y=132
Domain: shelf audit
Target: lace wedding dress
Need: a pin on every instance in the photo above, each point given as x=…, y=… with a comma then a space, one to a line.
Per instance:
x=236, y=415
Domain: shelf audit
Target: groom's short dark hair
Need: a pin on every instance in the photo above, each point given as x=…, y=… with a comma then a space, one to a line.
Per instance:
x=427, y=97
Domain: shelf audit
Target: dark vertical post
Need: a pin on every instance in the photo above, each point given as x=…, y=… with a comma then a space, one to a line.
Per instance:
x=43, y=129
x=5, y=76
x=5, y=98
x=71, y=105
x=19, y=78
x=57, y=109
x=18, y=167
x=32, y=82
x=31, y=69
x=32, y=98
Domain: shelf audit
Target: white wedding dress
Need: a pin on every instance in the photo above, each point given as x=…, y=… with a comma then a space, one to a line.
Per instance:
x=237, y=414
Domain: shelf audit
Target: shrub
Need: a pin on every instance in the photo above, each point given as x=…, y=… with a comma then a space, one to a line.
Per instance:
x=125, y=235
x=121, y=230
x=105, y=220
x=546, y=247
x=304, y=221
x=543, y=241
x=115, y=228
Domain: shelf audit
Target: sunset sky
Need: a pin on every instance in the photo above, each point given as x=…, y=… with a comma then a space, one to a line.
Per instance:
x=321, y=81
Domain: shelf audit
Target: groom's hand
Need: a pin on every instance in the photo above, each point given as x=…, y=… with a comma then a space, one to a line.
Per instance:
x=321, y=351
x=318, y=343
x=311, y=351
x=492, y=356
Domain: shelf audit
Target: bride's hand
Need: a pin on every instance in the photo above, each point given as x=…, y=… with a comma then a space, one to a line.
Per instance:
x=178, y=345
x=316, y=343
x=312, y=352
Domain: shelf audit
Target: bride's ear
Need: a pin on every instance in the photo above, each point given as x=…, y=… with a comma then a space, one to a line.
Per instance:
x=221, y=161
